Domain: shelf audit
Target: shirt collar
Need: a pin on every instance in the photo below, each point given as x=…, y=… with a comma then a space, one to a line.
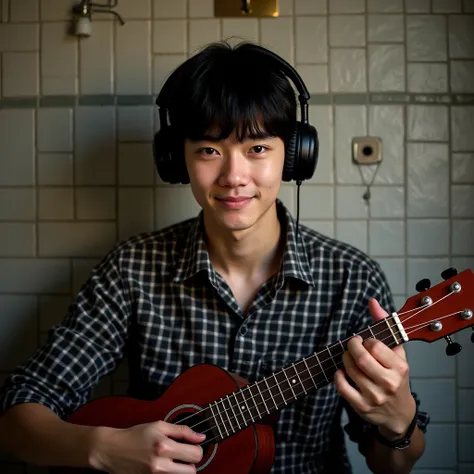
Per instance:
x=195, y=257
x=295, y=261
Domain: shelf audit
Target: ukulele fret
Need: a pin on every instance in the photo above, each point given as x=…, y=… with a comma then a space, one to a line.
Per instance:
x=299, y=379
x=332, y=359
x=247, y=416
x=391, y=330
x=227, y=413
x=279, y=388
x=241, y=412
x=215, y=421
x=271, y=394
x=343, y=348
x=290, y=383
x=263, y=398
x=310, y=373
x=248, y=409
x=322, y=368
x=233, y=412
x=297, y=386
x=221, y=417
x=252, y=397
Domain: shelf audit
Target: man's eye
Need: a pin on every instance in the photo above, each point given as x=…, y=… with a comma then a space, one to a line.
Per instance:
x=259, y=149
x=207, y=150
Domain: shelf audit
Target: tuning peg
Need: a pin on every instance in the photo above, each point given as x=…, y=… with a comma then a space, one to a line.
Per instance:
x=423, y=285
x=453, y=348
x=448, y=273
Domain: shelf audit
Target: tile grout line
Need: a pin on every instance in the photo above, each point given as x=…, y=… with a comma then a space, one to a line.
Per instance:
x=367, y=112
x=405, y=155
x=450, y=233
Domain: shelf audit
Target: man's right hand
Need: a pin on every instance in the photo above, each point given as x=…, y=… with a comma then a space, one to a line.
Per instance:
x=147, y=449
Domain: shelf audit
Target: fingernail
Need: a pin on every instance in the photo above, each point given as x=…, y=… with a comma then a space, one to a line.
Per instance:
x=201, y=435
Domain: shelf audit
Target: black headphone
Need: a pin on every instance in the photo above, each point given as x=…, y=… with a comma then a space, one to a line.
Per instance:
x=301, y=150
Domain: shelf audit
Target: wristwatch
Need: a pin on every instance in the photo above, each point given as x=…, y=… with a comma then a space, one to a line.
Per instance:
x=401, y=443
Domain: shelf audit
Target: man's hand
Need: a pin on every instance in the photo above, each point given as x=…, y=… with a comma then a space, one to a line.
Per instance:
x=147, y=449
x=381, y=374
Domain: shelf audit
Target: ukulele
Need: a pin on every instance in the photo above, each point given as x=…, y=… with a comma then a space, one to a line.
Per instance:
x=237, y=416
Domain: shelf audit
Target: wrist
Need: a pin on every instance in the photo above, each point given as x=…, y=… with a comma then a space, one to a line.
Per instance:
x=395, y=440
x=399, y=426
x=98, y=446
x=391, y=435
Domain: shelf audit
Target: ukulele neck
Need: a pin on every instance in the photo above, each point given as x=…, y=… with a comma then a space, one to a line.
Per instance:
x=257, y=400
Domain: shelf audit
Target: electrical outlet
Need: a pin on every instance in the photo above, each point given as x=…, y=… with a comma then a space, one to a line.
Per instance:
x=366, y=150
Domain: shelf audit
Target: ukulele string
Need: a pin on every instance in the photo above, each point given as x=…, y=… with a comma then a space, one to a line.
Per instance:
x=383, y=321
x=235, y=417
x=265, y=390
x=262, y=392
x=424, y=307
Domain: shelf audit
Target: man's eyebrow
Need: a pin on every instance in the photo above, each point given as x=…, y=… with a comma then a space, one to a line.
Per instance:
x=249, y=137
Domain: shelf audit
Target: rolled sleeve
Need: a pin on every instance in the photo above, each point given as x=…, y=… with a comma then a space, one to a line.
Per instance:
x=86, y=346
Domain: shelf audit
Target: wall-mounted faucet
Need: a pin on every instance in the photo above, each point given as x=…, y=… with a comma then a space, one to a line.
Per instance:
x=83, y=15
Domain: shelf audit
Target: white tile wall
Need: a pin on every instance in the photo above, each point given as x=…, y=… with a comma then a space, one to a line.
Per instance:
x=427, y=77
x=387, y=122
x=24, y=65
x=77, y=175
x=17, y=136
x=95, y=133
x=96, y=67
x=58, y=60
x=426, y=38
x=133, y=58
x=54, y=130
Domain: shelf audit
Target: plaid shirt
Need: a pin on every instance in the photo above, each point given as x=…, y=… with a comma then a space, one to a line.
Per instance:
x=157, y=299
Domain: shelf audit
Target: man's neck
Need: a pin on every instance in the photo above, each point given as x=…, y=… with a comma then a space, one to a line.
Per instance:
x=251, y=253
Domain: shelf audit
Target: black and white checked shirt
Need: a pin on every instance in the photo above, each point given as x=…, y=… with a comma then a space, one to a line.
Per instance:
x=157, y=299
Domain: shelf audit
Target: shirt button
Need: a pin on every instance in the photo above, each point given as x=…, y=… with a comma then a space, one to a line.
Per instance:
x=243, y=331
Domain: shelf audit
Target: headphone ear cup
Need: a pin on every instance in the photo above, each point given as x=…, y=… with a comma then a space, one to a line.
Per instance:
x=169, y=160
x=290, y=154
x=306, y=153
x=161, y=155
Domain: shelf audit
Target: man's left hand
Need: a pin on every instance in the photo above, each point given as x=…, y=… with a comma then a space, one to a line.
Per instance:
x=381, y=374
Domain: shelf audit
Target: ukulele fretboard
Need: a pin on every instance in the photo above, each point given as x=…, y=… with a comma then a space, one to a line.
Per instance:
x=250, y=404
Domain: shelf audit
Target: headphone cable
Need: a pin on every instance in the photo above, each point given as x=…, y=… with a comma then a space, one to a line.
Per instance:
x=298, y=184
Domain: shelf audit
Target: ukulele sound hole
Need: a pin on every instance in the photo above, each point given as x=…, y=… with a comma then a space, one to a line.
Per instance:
x=197, y=423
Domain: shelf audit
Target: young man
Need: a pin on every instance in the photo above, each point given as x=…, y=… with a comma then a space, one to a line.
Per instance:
x=241, y=287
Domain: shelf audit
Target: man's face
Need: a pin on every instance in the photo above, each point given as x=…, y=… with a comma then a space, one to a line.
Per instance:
x=235, y=183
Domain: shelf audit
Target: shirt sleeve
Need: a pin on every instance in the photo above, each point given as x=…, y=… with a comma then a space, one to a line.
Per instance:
x=357, y=428
x=86, y=346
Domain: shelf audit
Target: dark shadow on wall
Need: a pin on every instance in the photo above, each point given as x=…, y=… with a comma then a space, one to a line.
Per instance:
x=67, y=252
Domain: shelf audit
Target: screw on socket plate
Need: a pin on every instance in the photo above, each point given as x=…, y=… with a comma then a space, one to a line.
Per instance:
x=366, y=150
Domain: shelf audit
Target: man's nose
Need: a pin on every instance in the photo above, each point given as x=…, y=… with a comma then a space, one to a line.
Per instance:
x=234, y=170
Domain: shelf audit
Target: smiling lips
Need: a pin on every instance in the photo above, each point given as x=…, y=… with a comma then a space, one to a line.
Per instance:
x=234, y=202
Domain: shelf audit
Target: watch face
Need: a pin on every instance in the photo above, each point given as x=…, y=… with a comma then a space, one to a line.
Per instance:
x=403, y=444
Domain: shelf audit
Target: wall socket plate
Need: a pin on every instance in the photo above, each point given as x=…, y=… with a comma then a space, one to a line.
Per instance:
x=366, y=150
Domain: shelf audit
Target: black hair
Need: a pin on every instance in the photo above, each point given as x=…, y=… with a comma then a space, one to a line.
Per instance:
x=224, y=89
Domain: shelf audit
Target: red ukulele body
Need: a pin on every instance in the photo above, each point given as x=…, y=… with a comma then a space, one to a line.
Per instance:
x=248, y=451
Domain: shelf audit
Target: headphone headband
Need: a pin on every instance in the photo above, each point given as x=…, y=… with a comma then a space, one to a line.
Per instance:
x=291, y=72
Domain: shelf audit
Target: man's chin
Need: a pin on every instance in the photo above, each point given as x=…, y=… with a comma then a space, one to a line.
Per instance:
x=236, y=224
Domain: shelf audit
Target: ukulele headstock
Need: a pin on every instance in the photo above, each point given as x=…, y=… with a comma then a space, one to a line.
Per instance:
x=441, y=310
